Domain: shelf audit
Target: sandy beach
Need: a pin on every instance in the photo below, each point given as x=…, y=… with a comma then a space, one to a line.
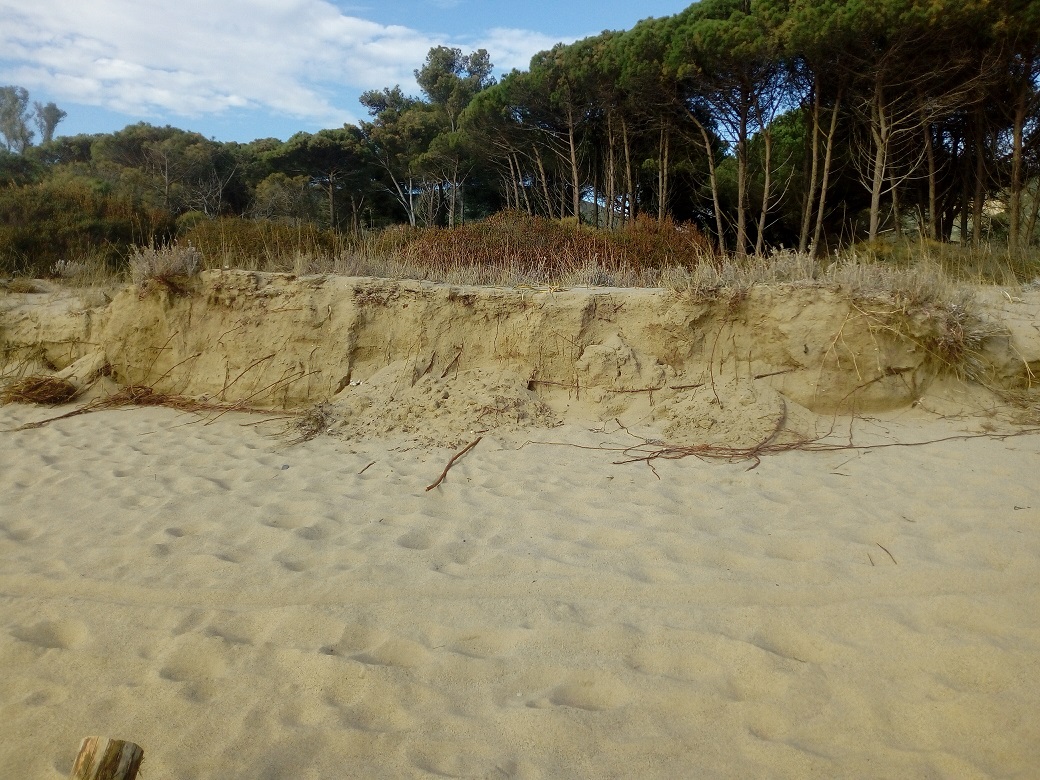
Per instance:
x=279, y=595
x=243, y=608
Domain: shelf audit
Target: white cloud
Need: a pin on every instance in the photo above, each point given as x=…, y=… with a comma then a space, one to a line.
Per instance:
x=511, y=48
x=196, y=57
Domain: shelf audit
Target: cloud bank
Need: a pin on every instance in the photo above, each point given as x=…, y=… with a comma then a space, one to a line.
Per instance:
x=304, y=59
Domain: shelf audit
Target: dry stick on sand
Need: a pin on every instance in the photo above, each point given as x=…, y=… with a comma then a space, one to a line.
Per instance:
x=649, y=450
x=451, y=462
x=140, y=395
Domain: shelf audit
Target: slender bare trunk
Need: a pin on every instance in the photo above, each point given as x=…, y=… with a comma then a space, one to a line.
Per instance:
x=633, y=205
x=827, y=155
x=931, y=225
x=1034, y=216
x=742, y=140
x=810, y=194
x=897, y=217
x=879, y=134
x=545, y=180
x=1015, y=206
x=609, y=193
x=522, y=189
x=662, y=176
x=575, y=176
x=712, y=178
x=512, y=196
x=978, y=202
x=760, y=240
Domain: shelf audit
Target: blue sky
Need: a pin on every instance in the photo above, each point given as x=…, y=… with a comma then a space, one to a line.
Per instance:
x=236, y=70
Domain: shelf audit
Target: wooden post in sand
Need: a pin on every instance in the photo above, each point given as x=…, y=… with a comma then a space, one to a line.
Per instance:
x=101, y=758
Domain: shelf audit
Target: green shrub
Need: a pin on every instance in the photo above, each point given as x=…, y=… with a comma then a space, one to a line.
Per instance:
x=42, y=225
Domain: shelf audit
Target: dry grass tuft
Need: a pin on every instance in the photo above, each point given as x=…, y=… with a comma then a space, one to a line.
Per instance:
x=313, y=423
x=165, y=264
x=40, y=390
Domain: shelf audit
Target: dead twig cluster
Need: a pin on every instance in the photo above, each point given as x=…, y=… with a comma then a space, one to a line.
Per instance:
x=311, y=424
x=40, y=390
x=648, y=450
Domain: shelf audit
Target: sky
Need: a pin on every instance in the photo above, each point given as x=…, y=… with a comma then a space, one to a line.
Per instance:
x=237, y=70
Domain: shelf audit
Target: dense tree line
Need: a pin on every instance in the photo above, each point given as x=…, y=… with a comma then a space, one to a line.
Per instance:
x=764, y=122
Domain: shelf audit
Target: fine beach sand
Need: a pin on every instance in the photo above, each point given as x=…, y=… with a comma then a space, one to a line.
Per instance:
x=250, y=598
x=243, y=608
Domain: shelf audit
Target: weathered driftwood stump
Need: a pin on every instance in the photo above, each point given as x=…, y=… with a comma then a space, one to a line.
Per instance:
x=101, y=758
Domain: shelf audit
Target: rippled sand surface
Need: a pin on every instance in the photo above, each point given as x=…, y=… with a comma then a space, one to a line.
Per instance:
x=245, y=609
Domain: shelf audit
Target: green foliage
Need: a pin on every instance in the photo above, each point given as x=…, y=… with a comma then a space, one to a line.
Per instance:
x=42, y=224
x=14, y=118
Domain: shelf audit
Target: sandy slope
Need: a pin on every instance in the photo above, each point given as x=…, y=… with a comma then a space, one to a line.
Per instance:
x=244, y=609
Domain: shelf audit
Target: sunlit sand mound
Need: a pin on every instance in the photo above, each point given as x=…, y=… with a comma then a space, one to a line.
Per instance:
x=441, y=360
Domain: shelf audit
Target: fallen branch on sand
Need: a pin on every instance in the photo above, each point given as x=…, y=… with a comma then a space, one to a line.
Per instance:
x=451, y=462
x=140, y=395
x=648, y=450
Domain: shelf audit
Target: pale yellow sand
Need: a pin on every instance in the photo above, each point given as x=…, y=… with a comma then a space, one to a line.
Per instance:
x=247, y=610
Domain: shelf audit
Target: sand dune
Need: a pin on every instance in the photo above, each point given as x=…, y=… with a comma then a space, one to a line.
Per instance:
x=246, y=609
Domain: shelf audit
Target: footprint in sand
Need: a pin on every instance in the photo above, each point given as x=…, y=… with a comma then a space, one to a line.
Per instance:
x=17, y=534
x=396, y=652
x=586, y=693
x=417, y=540
x=52, y=635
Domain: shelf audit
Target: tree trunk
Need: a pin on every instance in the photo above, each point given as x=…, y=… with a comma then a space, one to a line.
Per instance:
x=760, y=240
x=575, y=176
x=1034, y=216
x=827, y=155
x=810, y=193
x=545, y=180
x=1015, y=206
x=742, y=142
x=633, y=203
x=662, y=176
x=979, y=199
x=712, y=178
x=897, y=217
x=931, y=226
x=332, y=200
x=610, y=184
x=879, y=134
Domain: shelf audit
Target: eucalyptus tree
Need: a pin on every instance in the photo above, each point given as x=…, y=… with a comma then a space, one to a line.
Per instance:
x=47, y=118
x=15, y=116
